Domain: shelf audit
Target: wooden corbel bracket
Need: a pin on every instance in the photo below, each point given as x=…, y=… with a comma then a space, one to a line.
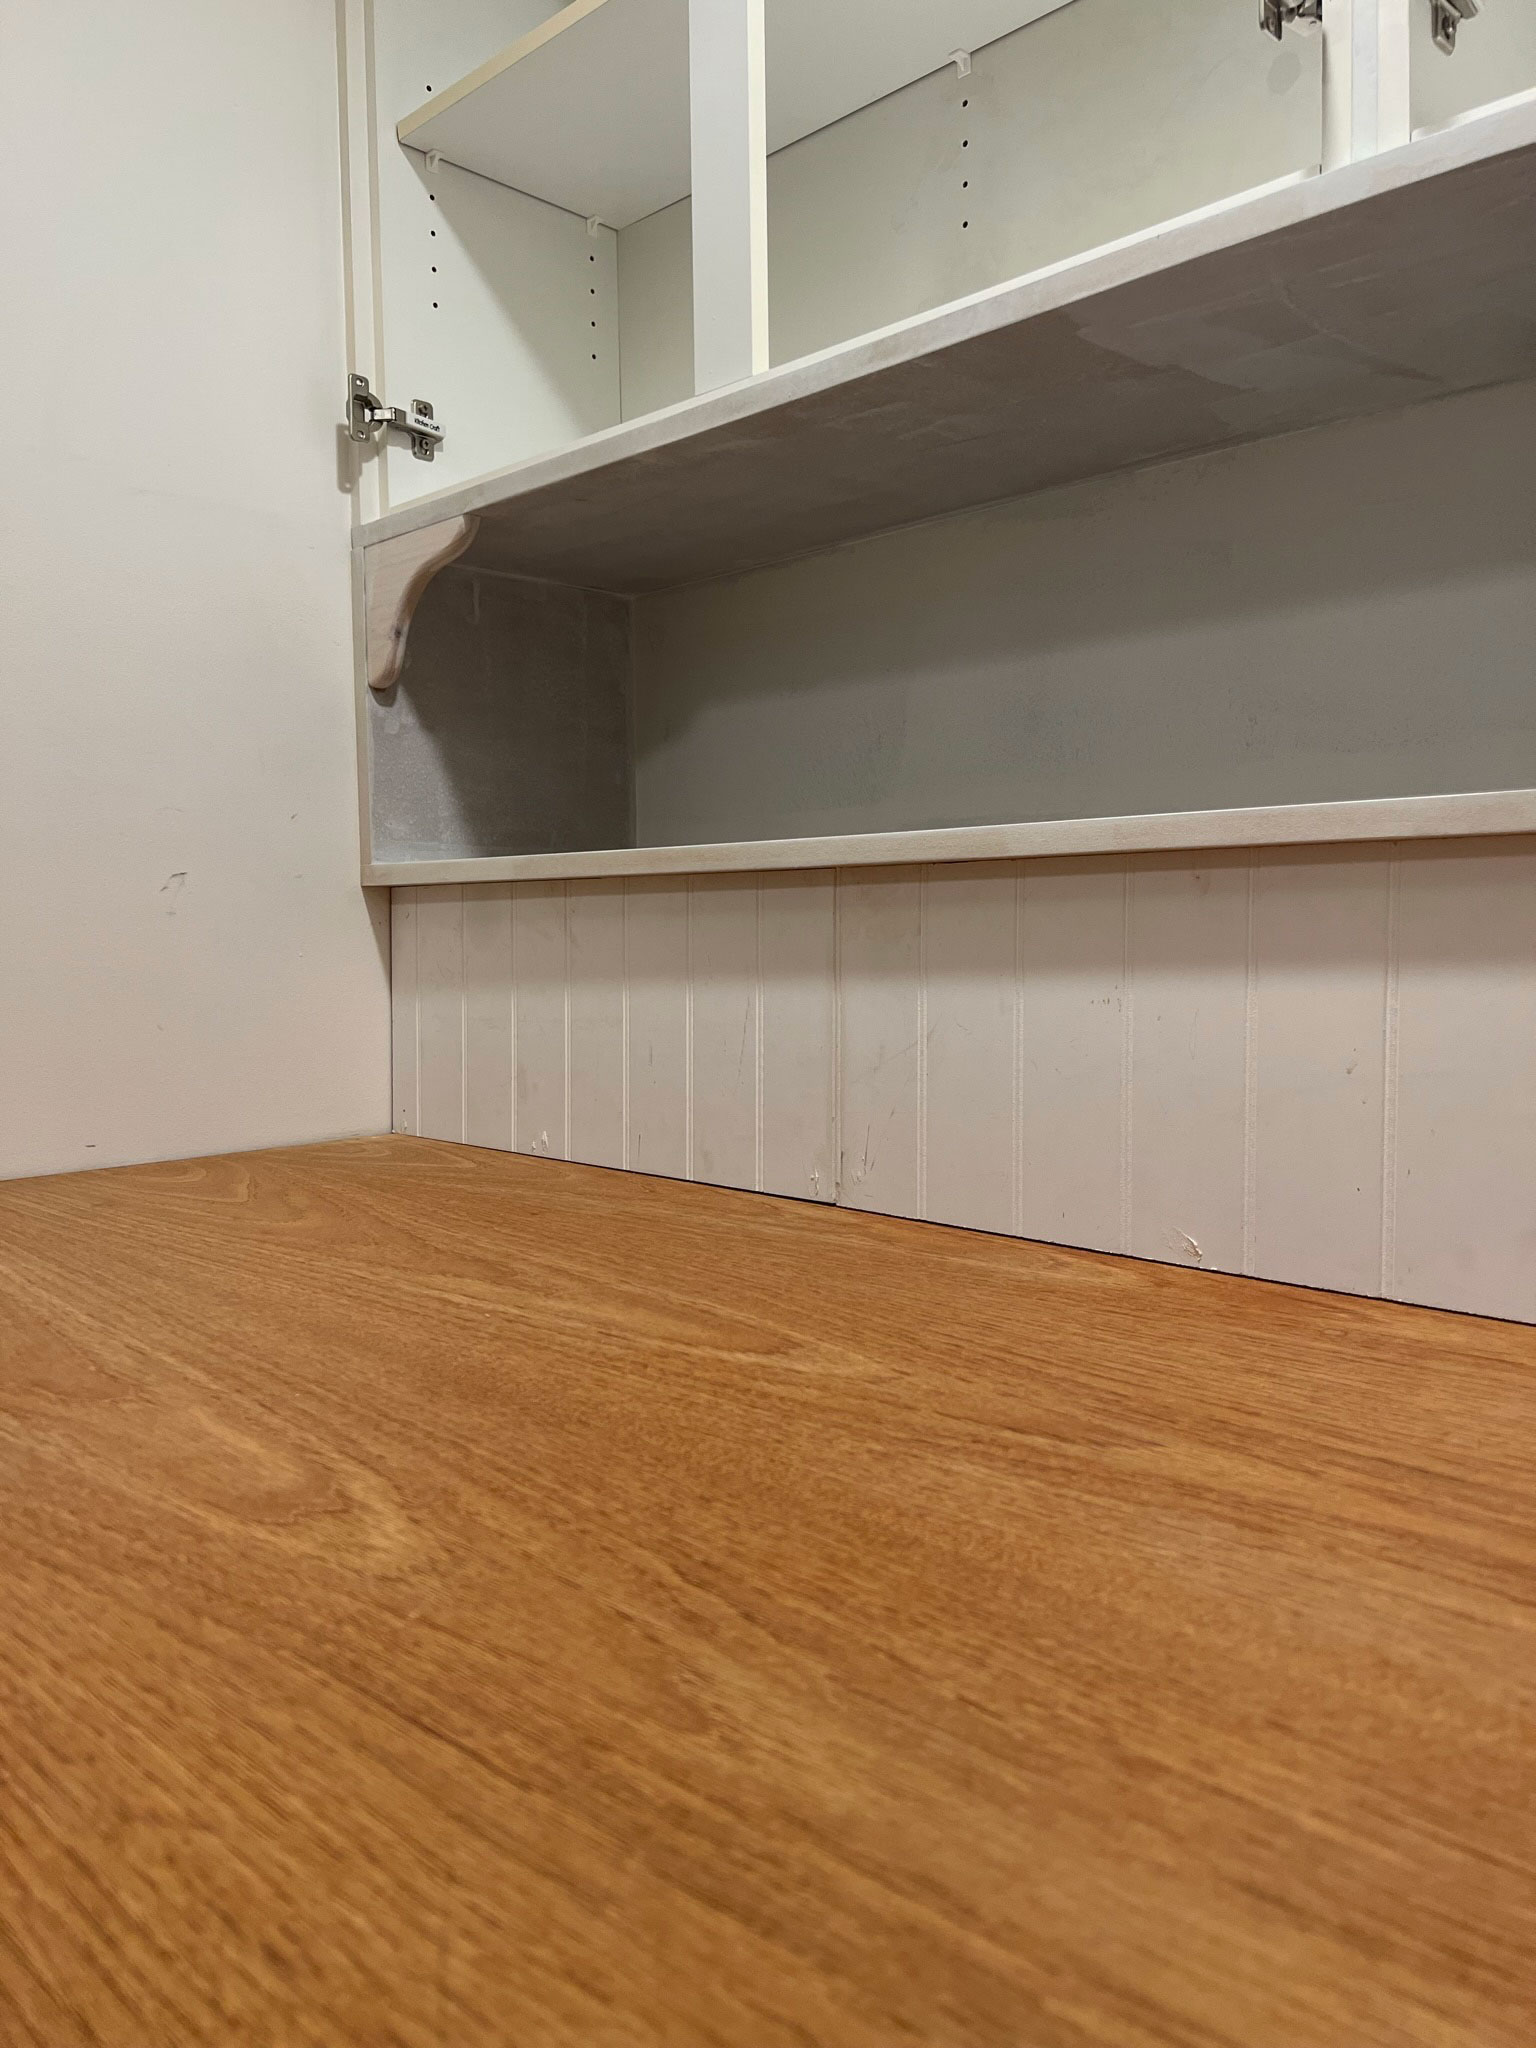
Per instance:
x=395, y=577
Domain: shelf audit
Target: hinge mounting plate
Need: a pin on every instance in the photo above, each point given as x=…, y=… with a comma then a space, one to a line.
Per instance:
x=1275, y=16
x=367, y=415
x=1447, y=16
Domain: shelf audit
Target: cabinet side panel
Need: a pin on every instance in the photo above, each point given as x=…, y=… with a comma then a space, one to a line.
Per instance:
x=486, y=298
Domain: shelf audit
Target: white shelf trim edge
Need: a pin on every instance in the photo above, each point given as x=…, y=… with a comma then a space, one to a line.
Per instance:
x=503, y=60
x=1224, y=224
x=1480, y=814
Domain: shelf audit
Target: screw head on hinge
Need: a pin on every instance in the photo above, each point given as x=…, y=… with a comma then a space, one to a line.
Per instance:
x=367, y=415
x=1275, y=16
x=1446, y=18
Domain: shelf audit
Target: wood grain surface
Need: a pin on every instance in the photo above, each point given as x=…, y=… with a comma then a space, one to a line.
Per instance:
x=453, y=1599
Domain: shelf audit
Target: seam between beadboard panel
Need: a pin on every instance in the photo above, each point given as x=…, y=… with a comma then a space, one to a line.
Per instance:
x=922, y=1041
x=758, y=1148
x=565, y=921
x=1251, y=1070
x=416, y=1011
x=688, y=1160
x=1389, y=1078
x=463, y=1021
x=513, y=1008
x=1127, y=1052
x=512, y=889
x=624, y=1024
x=1016, y=1134
x=837, y=1036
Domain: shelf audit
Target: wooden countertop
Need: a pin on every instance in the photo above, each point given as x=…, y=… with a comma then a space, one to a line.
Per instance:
x=450, y=1599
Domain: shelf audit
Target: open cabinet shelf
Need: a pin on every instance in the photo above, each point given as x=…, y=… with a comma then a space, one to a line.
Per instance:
x=563, y=114
x=625, y=667
x=1402, y=278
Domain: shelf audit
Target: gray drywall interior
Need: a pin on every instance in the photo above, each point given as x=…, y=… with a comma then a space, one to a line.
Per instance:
x=1344, y=613
x=508, y=731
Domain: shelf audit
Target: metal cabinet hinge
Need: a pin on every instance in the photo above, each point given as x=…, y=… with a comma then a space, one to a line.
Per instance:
x=1275, y=16
x=368, y=415
x=1447, y=17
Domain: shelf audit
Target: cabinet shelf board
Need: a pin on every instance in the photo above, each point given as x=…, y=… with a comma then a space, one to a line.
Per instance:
x=590, y=110
x=1477, y=815
x=1386, y=283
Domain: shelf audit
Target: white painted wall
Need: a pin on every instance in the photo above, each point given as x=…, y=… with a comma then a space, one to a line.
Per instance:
x=186, y=961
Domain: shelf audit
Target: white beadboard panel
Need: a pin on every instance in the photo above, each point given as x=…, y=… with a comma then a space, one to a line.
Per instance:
x=595, y=938
x=658, y=996
x=488, y=1015
x=1318, y=1073
x=1464, y=1196
x=540, y=995
x=724, y=1038
x=402, y=1009
x=440, y=1012
x=970, y=973
x=1072, y=1052
x=797, y=1113
x=880, y=1041
x=1314, y=1064
x=1188, y=1049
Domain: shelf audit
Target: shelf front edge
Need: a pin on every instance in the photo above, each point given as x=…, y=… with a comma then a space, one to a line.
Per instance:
x=1483, y=814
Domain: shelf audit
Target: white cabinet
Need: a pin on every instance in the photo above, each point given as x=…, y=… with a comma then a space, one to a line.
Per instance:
x=1050, y=745
x=521, y=193
x=922, y=585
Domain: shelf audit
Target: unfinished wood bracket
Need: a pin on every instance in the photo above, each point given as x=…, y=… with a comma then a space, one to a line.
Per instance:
x=395, y=577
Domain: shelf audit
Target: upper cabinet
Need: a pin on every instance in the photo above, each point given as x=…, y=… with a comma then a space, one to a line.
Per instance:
x=565, y=220
x=590, y=110
x=554, y=232
x=701, y=292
